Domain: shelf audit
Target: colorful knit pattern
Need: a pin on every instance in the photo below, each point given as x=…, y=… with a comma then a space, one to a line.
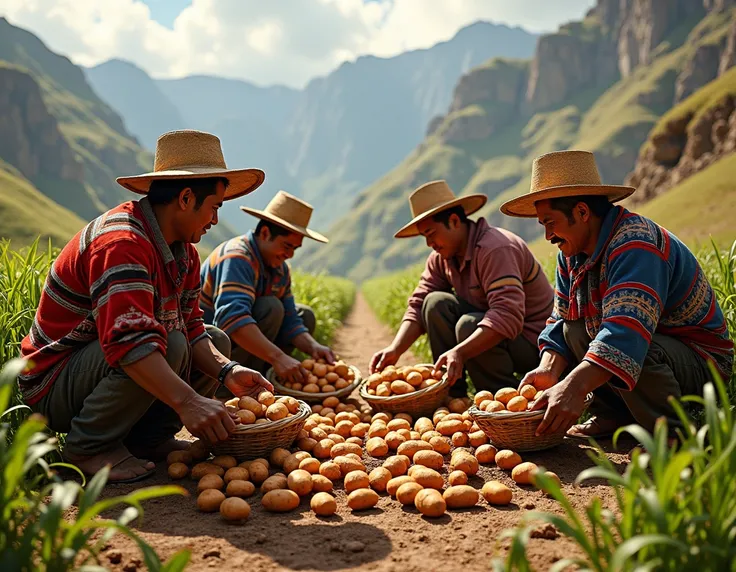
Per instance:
x=116, y=281
x=234, y=276
x=640, y=280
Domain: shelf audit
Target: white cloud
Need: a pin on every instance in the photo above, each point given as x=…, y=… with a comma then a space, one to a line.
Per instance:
x=279, y=41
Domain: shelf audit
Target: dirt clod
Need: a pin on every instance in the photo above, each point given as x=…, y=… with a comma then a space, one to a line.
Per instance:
x=355, y=546
x=211, y=554
x=548, y=532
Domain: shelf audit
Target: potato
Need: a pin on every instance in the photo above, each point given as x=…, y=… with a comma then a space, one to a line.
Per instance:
x=291, y=404
x=379, y=478
x=393, y=485
x=523, y=472
x=331, y=401
x=266, y=398
x=376, y=447
x=234, y=509
x=225, y=461
x=359, y=430
x=506, y=394
x=459, y=439
x=460, y=496
x=322, y=448
x=308, y=364
x=356, y=480
x=464, y=462
x=311, y=388
x=427, y=436
x=330, y=470
x=396, y=465
x=280, y=500
x=179, y=457
x=311, y=465
x=457, y=406
x=494, y=407
x=236, y=473
x=440, y=444
x=428, y=478
x=319, y=369
x=398, y=423
x=292, y=461
x=321, y=484
x=277, y=411
x=409, y=448
x=199, y=450
x=210, y=500
x=263, y=461
x=273, y=483
x=341, y=449
x=477, y=438
x=344, y=427
x=507, y=459
x=549, y=474
x=348, y=464
x=237, y=488
x=246, y=417
x=456, y=478
x=406, y=493
x=496, y=493
x=450, y=426
x=178, y=470
x=423, y=424
x=481, y=396
x=323, y=504
x=528, y=392
x=258, y=473
x=486, y=454
x=306, y=444
x=201, y=469
x=430, y=503
x=399, y=387
x=393, y=440
x=300, y=481
x=362, y=499
x=518, y=403
x=377, y=429
x=431, y=459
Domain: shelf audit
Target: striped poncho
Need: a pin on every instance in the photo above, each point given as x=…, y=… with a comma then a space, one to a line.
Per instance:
x=640, y=280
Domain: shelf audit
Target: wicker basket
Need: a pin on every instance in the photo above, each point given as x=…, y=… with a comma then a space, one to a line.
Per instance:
x=314, y=397
x=515, y=430
x=253, y=441
x=420, y=403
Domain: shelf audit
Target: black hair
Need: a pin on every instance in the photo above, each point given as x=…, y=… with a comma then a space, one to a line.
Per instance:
x=444, y=216
x=164, y=191
x=274, y=229
x=599, y=205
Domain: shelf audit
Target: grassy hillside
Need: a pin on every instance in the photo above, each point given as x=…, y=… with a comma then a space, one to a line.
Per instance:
x=613, y=121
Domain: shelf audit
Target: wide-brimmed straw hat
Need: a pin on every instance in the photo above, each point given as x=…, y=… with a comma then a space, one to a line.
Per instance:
x=433, y=197
x=190, y=154
x=563, y=174
x=289, y=212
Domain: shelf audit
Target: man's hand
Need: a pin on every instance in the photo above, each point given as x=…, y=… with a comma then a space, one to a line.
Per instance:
x=290, y=369
x=242, y=381
x=206, y=418
x=454, y=362
x=541, y=378
x=384, y=358
x=320, y=351
x=565, y=402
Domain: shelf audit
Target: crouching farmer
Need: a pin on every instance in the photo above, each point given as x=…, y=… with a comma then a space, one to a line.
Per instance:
x=119, y=355
x=635, y=320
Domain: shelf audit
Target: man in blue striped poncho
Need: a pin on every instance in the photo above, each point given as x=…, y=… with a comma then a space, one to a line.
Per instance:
x=634, y=321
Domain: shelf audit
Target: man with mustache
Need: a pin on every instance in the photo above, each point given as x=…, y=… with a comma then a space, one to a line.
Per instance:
x=635, y=320
x=246, y=291
x=482, y=298
x=119, y=354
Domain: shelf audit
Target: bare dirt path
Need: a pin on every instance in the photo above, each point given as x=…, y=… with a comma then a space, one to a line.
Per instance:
x=387, y=538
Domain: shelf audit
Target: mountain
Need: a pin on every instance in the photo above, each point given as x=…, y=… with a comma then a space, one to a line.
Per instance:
x=332, y=138
x=61, y=146
x=600, y=84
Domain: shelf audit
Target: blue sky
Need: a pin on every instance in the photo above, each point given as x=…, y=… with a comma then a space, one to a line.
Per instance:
x=166, y=11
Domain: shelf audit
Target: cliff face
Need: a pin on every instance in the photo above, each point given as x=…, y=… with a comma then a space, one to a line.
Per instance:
x=30, y=139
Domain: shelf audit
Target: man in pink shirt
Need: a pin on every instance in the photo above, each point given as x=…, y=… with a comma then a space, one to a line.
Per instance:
x=482, y=299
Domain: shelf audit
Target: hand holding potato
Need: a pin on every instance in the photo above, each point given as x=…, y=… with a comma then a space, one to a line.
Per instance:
x=453, y=360
x=290, y=369
x=382, y=359
x=242, y=381
x=206, y=418
x=320, y=351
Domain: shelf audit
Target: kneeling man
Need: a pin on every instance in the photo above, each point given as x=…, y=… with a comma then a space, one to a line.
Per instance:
x=635, y=320
x=482, y=298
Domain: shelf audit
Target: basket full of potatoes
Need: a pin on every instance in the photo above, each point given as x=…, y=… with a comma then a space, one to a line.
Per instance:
x=417, y=390
x=325, y=380
x=266, y=422
x=506, y=418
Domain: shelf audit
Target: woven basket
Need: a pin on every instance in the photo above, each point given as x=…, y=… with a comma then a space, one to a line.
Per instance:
x=253, y=441
x=314, y=397
x=421, y=403
x=515, y=430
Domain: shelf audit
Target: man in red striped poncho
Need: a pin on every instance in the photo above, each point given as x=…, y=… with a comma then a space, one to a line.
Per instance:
x=119, y=356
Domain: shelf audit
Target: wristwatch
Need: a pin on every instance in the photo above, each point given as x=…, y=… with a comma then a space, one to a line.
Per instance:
x=225, y=370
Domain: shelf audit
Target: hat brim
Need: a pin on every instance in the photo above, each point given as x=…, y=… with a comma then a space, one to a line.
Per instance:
x=286, y=224
x=524, y=206
x=240, y=181
x=470, y=204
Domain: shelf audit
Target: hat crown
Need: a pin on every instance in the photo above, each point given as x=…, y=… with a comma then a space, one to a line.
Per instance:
x=429, y=196
x=290, y=209
x=187, y=148
x=564, y=168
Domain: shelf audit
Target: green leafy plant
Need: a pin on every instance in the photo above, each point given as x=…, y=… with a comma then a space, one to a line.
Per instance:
x=675, y=502
x=35, y=531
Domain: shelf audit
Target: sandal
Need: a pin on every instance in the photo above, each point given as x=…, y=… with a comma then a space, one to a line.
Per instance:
x=594, y=428
x=124, y=456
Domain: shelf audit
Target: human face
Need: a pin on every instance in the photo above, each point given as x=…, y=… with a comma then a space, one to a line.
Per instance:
x=571, y=238
x=193, y=223
x=276, y=251
x=447, y=242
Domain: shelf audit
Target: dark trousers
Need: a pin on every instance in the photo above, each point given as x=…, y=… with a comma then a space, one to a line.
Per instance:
x=100, y=407
x=449, y=320
x=670, y=369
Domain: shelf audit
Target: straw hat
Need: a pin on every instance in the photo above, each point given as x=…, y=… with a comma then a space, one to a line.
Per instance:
x=290, y=212
x=563, y=174
x=189, y=154
x=433, y=197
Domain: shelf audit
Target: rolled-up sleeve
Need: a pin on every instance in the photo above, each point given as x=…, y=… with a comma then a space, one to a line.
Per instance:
x=552, y=337
x=433, y=279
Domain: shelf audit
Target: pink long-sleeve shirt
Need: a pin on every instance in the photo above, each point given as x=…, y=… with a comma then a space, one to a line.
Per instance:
x=498, y=274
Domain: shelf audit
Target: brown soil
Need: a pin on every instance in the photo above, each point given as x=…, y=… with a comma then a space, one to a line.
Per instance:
x=386, y=538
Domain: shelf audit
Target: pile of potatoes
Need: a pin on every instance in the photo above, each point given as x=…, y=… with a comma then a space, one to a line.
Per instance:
x=263, y=409
x=323, y=377
x=509, y=398
x=401, y=380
